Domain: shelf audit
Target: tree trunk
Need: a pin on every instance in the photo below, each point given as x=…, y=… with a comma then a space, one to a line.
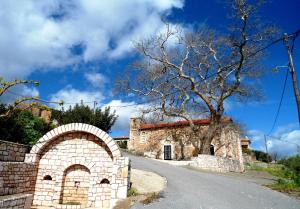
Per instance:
x=181, y=149
x=213, y=131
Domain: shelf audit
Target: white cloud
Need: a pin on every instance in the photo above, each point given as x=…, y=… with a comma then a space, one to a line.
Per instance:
x=125, y=111
x=284, y=141
x=18, y=91
x=72, y=96
x=97, y=80
x=45, y=34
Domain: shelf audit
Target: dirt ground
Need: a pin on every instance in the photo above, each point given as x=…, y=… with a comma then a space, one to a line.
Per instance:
x=149, y=185
x=147, y=182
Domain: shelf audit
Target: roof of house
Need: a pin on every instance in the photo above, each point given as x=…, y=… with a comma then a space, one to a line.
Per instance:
x=246, y=140
x=146, y=126
x=121, y=138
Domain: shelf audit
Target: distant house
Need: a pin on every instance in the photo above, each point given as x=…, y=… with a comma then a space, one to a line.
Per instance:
x=171, y=141
x=245, y=142
x=122, y=141
x=38, y=110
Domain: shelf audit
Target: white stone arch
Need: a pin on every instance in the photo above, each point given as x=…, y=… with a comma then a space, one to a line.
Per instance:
x=52, y=135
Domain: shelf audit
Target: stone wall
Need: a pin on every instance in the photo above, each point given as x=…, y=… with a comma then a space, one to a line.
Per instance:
x=20, y=201
x=249, y=158
x=17, y=177
x=13, y=152
x=218, y=164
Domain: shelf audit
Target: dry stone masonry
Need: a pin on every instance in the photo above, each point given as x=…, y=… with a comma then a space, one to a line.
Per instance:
x=12, y=152
x=73, y=166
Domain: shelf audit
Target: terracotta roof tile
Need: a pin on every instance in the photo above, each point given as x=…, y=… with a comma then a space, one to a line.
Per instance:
x=146, y=126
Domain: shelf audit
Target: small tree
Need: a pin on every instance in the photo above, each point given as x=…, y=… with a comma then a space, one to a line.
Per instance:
x=21, y=126
x=187, y=74
x=84, y=114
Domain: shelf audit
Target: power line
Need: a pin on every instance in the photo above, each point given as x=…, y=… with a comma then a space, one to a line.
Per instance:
x=280, y=102
x=42, y=100
x=282, y=140
x=70, y=103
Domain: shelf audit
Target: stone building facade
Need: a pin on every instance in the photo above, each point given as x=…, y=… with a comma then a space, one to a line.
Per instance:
x=169, y=146
x=73, y=166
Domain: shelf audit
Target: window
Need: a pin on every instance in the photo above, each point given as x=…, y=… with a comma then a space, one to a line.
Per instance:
x=143, y=138
x=104, y=181
x=47, y=177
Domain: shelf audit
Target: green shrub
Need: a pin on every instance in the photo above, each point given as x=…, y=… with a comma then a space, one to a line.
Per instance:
x=262, y=156
x=246, y=151
x=22, y=127
x=292, y=163
x=132, y=192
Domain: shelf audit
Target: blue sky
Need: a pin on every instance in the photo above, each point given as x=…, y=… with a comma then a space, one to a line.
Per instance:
x=76, y=49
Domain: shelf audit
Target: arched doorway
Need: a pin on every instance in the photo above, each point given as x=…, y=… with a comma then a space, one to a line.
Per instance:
x=75, y=185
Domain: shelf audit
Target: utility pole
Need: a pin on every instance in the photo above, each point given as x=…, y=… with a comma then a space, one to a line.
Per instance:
x=95, y=103
x=293, y=73
x=266, y=145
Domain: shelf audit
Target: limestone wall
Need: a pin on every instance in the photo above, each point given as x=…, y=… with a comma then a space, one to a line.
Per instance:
x=17, y=177
x=218, y=164
x=13, y=152
x=21, y=201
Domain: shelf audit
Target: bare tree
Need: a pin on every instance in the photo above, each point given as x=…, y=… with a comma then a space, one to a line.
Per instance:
x=184, y=74
x=275, y=156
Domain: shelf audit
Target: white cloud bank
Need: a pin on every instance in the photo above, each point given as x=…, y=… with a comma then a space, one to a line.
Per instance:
x=45, y=34
x=285, y=141
x=125, y=111
x=72, y=96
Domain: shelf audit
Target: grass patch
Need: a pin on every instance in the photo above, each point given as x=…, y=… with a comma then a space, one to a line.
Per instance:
x=288, y=182
x=151, y=198
x=132, y=192
x=136, y=197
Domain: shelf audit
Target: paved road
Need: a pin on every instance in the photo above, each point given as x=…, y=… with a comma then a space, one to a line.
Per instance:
x=188, y=189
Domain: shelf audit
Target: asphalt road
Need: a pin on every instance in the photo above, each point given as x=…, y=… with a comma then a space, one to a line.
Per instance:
x=189, y=189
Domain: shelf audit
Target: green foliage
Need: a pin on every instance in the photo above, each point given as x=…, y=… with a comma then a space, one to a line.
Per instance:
x=22, y=127
x=122, y=144
x=262, y=156
x=84, y=114
x=293, y=163
x=289, y=179
x=247, y=151
x=132, y=192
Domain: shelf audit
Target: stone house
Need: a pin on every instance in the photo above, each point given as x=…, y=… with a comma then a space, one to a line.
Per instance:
x=38, y=110
x=171, y=141
x=245, y=142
